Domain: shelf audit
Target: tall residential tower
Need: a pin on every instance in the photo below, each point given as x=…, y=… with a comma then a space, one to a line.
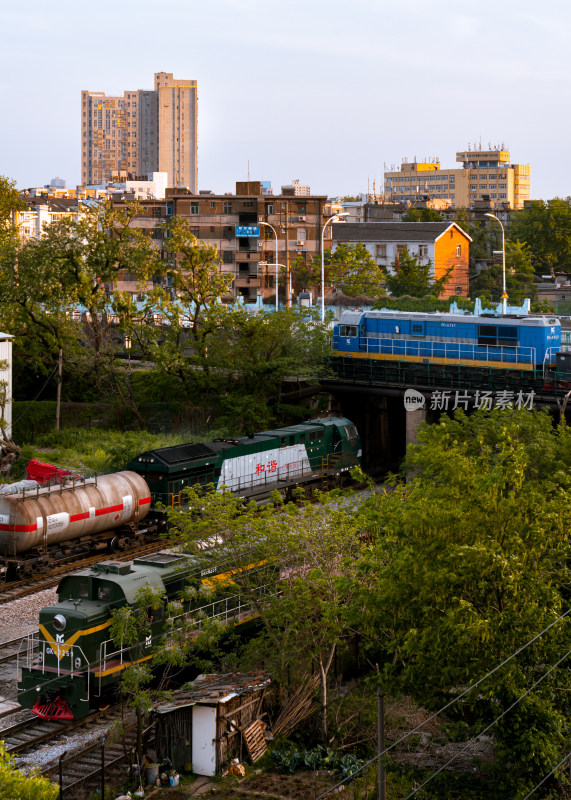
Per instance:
x=141, y=132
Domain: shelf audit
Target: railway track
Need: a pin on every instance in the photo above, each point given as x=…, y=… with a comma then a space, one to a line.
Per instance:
x=81, y=771
x=18, y=589
x=9, y=649
x=31, y=731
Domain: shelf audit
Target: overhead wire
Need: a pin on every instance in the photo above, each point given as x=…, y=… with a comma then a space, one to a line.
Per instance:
x=491, y=725
x=542, y=781
x=445, y=707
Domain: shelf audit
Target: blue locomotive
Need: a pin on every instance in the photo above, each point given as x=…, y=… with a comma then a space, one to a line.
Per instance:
x=490, y=340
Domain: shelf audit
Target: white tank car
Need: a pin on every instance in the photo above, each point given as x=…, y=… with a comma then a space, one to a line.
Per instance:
x=39, y=518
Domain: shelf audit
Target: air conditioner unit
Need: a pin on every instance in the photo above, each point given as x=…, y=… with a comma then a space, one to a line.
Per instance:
x=301, y=218
x=300, y=242
x=260, y=245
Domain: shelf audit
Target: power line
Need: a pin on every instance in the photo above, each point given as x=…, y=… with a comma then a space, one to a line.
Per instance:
x=491, y=725
x=450, y=703
x=541, y=782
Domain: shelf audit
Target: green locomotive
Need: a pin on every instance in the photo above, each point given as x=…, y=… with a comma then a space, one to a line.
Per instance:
x=72, y=663
x=319, y=451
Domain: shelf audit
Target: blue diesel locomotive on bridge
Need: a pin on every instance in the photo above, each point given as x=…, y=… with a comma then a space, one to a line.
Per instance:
x=485, y=340
x=484, y=350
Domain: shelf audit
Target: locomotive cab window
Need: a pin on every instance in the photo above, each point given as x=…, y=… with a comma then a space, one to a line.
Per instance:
x=83, y=591
x=347, y=330
x=104, y=592
x=350, y=431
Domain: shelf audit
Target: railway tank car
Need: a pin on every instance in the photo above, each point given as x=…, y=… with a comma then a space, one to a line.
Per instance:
x=38, y=523
x=45, y=525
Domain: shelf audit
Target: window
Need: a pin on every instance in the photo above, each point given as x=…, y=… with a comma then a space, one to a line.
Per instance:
x=157, y=211
x=227, y=257
x=302, y=234
x=417, y=328
x=458, y=290
x=458, y=250
x=227, y=208
x=423, y=251
x=301, y=208
x=269, y=208
x=194, y=208
x=347, y=330
x=381, y=250
x=83, y=591
x=195, y=230
x=351, y=432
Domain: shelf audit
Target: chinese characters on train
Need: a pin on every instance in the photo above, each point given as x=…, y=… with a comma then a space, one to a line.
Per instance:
x=449, y=400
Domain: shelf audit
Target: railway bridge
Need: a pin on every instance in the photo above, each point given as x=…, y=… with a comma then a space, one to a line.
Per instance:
x=388, y=400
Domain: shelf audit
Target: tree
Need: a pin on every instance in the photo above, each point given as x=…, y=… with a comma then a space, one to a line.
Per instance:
x=16, y=785
x=350, y=268
x=74, y=265
x=413, y=278
x=545, y=225
x=470, y=564
x=313, y=550
x=422, y=215
x=9, y=202
x=520, y=285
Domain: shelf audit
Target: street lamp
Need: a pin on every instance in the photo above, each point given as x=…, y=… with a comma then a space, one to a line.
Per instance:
x=267, y=224
x=504, y=294
x=331, y=219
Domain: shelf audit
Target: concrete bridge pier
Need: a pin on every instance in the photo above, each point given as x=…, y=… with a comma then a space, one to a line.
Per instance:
x=414, y=420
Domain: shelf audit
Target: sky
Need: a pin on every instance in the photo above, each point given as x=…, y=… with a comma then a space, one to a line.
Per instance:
x=326, y=91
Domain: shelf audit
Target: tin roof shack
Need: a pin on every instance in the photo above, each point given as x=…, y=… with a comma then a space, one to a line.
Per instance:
x=210, y=722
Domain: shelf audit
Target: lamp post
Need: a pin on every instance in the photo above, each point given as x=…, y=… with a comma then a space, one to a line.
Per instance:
x=331, y=219
x=267, y=224
x=504, y=294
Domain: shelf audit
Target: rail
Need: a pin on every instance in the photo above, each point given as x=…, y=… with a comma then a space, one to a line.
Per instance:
x=452, y=350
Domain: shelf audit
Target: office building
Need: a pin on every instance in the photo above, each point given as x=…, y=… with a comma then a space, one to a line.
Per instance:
x=142, y=131
x=484, y=173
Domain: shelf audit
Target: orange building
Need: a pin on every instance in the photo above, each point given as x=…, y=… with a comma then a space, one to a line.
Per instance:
x=444, y=244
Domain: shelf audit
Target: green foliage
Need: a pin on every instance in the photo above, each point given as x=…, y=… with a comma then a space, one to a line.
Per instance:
x=16, y=785
x=350, y=269
x=290, y=759
x=411, y=277
x=519, y=277
x=469, y=563
x=425, y=304
x=545, y=226
x=422, y=215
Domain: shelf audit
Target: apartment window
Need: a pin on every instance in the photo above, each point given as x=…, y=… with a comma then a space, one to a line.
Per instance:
x=473, y=186
x=423, y=251
x=194, y=208
x=458, y=290
x=269, y=208
x=501, y=186
x=227, y=208
x=502, y=195
x=227, y=257
x=458, y=250
x=194, y=229
x=381, y=251
x=212, y=204
x=301, y=208
x=452, y=178
x=302, y=234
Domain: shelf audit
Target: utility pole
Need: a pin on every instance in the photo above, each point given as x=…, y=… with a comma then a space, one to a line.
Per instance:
x=58, y=401
x=286, y=287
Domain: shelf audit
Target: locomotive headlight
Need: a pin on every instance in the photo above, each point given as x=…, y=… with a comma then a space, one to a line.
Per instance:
x=59, y=622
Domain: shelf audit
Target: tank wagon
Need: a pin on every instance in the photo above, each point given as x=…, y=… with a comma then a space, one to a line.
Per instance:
x=490, y=341
x=49, y=523
x=323, y=450
x=72, y=665
x=41, y=526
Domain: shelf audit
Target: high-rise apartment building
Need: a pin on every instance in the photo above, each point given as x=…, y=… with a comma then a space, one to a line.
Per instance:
x=141, y=132
x=487, y=173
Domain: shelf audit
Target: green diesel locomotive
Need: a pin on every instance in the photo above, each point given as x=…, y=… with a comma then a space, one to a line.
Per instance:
x=72, y=664
x=317, y=452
